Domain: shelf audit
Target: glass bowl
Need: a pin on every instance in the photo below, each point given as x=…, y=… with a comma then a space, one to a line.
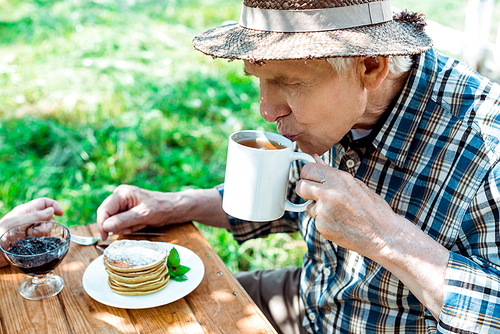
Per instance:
x=36, y=249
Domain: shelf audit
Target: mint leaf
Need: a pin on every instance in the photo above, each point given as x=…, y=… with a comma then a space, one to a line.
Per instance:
x=182, y=278
x=175, y=269
x=181, y=270
x=174, y=259
x=178, y=271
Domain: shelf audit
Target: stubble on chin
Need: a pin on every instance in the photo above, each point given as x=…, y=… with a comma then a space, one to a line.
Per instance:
x=305, y=147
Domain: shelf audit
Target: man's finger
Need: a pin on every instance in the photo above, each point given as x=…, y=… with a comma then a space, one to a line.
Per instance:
x=317, y=172
x=121, y=221
x=132, y=229
x=312, y=209
x=41, y=215
x=308, y=189
x=319, y=160
x=101, y=217
x=44, y=203
x=109, y=207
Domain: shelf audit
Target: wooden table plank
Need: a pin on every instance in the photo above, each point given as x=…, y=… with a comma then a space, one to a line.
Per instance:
x=173, y=318
x=45, y=316
x=84, y=314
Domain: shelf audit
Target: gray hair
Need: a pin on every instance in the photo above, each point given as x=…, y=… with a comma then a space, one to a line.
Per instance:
x=397, y=64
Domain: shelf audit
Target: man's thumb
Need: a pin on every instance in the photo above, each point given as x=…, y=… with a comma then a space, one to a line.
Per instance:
x=47, y=213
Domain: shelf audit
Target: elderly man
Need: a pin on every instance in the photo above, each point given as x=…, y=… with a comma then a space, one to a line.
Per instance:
x=403, y=234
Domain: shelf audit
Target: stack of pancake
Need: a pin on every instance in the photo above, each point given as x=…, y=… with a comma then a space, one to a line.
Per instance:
x=136, y=267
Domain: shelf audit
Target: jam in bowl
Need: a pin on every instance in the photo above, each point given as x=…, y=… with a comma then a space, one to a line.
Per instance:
x=36, y=249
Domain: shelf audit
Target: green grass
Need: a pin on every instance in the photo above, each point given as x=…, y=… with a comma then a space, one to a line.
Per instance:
x=99, y=93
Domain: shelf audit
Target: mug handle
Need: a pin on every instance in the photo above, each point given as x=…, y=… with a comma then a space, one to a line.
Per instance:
x=289, y=206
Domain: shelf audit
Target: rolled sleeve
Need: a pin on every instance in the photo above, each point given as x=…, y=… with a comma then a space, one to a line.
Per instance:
x=245, y=230
x=472, y=284
x=471, y=298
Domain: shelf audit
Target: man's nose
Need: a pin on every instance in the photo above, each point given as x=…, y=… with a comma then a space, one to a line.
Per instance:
x=273, y=103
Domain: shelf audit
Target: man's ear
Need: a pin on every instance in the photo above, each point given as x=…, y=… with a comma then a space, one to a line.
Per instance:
x=373, y=71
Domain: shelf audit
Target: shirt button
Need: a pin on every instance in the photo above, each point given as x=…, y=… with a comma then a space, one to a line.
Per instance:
x=327, y=271
x=350, y=163
x=312, y=316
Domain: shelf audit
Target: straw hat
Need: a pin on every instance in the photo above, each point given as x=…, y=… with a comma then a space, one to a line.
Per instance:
x=306, y=29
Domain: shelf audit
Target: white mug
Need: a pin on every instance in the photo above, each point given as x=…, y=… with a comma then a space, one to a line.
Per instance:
x=256, y=179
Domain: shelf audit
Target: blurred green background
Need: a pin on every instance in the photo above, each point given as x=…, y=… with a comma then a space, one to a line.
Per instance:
x=99, y=93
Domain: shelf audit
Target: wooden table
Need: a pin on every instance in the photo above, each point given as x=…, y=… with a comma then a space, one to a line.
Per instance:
x=217, y=305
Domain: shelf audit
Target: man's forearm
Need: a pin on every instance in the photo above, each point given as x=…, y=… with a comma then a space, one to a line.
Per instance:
x=204, y=206
x=419, y=262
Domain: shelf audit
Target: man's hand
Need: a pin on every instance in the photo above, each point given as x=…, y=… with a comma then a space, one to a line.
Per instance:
x=348, y=213
x=40, y=209
x=131, y=208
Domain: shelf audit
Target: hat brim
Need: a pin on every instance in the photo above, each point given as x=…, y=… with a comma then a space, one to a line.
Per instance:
x=392, y=38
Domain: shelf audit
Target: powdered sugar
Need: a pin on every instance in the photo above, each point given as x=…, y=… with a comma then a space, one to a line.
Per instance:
x=135, y=253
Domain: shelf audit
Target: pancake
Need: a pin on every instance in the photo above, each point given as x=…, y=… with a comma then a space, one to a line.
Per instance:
x=132, y=292
x=138, y=278
x=127, y=256
x=143, y=286
x=135, y=273
x=136, y=267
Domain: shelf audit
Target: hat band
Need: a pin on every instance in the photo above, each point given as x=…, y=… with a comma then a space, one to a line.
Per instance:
x=309, y=20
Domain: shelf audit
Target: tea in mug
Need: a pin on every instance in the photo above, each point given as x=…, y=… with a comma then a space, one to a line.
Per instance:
x=261, y=144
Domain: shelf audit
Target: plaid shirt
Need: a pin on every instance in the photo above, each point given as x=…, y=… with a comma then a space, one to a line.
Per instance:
x=433, y=157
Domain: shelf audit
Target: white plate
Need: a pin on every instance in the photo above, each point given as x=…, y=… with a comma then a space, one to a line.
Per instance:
x=95, y=283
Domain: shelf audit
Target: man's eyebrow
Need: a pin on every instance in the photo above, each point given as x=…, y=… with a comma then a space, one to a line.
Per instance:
x=273, y=81
x=281, y=80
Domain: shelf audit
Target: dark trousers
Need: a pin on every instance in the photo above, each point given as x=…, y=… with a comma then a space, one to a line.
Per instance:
x=276, y=292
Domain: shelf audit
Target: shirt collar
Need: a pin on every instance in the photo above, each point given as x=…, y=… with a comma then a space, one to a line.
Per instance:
x=401, y=120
